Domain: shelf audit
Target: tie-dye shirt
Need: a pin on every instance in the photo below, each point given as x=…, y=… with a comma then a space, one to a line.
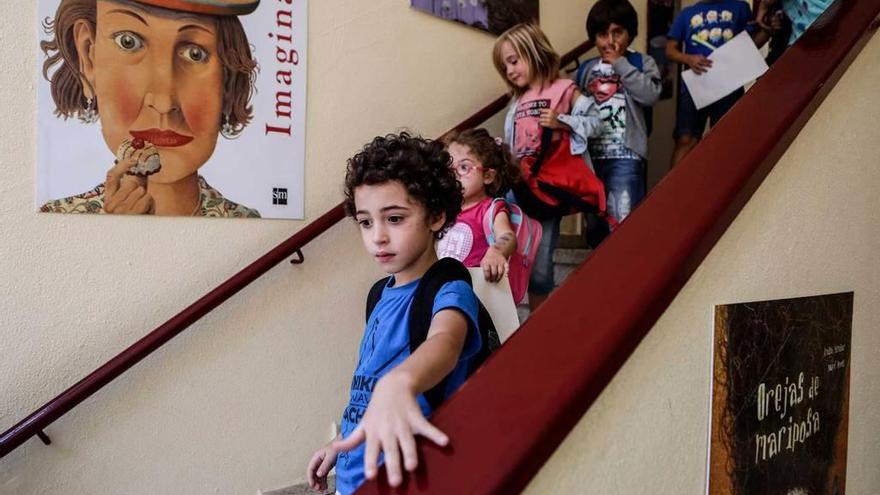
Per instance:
x=802, y=14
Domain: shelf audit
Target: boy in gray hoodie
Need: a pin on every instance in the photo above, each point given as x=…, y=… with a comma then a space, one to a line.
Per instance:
x=625, y=85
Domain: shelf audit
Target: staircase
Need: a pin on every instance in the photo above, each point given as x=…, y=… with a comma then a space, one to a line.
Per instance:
x=303, y=489
x=565, y=260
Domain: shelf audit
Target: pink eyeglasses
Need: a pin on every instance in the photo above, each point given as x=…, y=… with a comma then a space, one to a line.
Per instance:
x=464, y=169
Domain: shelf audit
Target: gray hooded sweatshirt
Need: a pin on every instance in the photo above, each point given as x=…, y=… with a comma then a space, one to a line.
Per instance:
x=642, y=89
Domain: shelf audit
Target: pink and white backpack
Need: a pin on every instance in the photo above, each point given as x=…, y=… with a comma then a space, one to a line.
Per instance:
x=528, y=236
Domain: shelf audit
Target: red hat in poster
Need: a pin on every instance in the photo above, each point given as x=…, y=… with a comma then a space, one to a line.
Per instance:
x=212, y=7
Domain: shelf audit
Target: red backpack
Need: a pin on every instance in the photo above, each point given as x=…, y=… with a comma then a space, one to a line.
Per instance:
x=557, y=183
x=528, y=235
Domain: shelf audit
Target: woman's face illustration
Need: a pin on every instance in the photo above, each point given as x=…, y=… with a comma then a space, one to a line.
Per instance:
x=157, y=78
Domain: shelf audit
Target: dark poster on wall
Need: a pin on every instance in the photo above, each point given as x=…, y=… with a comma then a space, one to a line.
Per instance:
x=780, y=397
x=494, y=16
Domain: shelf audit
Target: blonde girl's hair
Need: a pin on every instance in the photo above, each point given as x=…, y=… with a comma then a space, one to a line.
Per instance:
x=532, y=45
x=493, y=154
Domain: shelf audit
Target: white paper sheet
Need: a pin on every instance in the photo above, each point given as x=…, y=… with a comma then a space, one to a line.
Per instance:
x=735, y=64
x=498, y=300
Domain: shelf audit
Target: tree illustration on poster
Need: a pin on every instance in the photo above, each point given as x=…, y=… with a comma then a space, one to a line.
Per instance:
x=172, y=107
x=780, y=397
x=494, y=16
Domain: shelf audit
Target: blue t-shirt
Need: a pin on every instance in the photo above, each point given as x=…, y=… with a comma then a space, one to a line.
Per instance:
x=713, y=22
x=384, y=346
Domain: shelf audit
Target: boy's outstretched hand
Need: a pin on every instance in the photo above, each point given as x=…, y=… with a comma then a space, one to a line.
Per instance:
x=322, y=462
x=389, y=426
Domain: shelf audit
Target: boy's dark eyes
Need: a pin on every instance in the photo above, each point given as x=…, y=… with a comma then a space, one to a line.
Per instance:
x=364, y=222
x=395, y=219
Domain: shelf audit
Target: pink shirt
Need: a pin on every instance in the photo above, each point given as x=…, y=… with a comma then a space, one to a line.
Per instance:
x=527, y=130
x=466, y=241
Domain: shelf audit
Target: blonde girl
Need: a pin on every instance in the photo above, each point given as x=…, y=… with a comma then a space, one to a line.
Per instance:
x=529, y=65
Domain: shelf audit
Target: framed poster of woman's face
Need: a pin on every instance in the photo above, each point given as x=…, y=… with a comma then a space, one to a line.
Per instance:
x=172, y=107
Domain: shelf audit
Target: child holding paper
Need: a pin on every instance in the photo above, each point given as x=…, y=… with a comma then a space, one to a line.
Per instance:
x=696, y=32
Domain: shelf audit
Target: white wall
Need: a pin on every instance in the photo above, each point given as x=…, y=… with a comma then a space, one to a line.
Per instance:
x=241, y=400
x=811, y=228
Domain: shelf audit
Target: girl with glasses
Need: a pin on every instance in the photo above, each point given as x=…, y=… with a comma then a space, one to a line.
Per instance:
x=486, y=170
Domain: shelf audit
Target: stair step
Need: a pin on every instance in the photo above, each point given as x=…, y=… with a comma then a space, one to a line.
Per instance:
x=303, y=489
x=570, y=256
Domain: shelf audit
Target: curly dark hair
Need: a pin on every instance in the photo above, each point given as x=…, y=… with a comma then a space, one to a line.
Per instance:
x=420, y=165
x=493, y=155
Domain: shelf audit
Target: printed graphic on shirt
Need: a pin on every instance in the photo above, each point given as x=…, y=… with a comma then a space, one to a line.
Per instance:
x=528, y=137
x=369, y=340
x=456, y=243
x=362, y=383
x=703, y=26
x=710, y=30
x=604, y=85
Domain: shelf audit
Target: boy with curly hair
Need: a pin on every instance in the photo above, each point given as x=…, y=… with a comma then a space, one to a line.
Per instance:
x=403, y=194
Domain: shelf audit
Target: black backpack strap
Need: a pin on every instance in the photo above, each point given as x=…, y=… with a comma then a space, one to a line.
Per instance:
x=421, y=311
x=566, y=198
x=442, y=272
x=374, y=296
x=581, y=74
x=546, y=141
x=534, y=206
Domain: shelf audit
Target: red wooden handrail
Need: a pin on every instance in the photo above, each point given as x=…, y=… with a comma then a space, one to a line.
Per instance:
x=35, y=422
x=70, y=398
x=511, y=416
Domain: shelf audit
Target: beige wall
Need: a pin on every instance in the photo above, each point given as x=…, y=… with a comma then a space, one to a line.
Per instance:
x=240, y=401
x=811, y=228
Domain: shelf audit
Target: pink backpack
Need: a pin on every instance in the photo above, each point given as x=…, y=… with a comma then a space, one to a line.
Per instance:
x=528, y=236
